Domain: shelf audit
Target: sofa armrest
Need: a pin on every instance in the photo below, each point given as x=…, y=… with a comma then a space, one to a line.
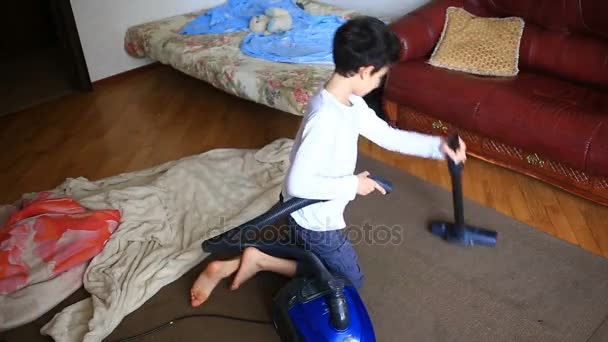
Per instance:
x=420, y=29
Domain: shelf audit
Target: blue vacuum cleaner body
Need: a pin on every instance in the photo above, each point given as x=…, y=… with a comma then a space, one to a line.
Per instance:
x=458, y=232
x=315, y=307
x=301, y=314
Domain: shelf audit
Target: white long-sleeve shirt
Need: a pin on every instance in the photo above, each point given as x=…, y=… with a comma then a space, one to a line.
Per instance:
x=324, y=156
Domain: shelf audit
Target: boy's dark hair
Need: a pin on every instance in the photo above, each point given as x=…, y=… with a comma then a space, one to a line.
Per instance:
x=364, y=41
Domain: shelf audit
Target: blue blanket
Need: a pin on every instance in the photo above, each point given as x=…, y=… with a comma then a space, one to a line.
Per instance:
x=309, y=41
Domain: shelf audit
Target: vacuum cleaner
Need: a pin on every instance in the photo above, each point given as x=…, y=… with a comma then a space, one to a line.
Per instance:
x=458, y=232
x=318, y=306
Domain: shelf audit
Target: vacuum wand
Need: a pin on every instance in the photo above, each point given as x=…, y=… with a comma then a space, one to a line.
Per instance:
x=459, y=232
x=456, y=176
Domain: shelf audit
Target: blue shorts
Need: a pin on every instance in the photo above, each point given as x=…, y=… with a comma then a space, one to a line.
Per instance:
x=332, y=247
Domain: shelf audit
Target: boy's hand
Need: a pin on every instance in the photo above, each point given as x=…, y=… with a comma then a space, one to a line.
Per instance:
x=368, y=185
x=459, y=156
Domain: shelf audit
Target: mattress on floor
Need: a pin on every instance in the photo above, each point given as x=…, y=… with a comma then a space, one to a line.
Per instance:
x=218, y=60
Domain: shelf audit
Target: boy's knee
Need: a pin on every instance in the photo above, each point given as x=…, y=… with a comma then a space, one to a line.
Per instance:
x=357, y=282
x=354, y=275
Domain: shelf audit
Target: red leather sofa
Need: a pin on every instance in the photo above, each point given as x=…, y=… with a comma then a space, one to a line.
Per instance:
x=549, y=122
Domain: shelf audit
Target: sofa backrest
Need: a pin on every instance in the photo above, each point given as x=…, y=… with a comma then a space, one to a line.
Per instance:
x=568, y=38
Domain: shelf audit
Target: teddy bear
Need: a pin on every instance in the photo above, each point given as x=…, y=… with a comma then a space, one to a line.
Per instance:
x=273, y=20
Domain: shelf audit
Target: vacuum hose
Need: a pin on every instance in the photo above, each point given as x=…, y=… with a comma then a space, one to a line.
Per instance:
x=236, y=238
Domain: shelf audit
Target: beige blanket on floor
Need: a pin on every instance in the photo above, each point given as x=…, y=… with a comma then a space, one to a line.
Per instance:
x=167, y=211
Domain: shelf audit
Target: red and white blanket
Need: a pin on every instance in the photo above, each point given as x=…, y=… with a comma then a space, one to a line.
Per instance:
x=41, y=239
x=166, y=212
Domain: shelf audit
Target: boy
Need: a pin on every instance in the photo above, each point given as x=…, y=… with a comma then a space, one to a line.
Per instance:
x=324, y=156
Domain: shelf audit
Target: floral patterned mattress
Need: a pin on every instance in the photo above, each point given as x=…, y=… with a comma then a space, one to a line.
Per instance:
x=218, y=60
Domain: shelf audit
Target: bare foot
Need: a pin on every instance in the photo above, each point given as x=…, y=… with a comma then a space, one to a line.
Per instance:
x=250, y=265
x=210, y=277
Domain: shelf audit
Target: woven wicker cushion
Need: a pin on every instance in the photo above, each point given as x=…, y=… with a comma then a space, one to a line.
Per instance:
x=478, y=45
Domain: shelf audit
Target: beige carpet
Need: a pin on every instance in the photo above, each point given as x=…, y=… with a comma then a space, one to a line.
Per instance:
x=531, y=287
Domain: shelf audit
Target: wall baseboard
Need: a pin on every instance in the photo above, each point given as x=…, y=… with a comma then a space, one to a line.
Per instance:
x=128, y=73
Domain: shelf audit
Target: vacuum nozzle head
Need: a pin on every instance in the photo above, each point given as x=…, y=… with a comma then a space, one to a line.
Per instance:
x=464, y=235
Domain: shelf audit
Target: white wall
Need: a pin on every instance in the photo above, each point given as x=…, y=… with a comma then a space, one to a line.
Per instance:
x=387, y=8
x=102, y=25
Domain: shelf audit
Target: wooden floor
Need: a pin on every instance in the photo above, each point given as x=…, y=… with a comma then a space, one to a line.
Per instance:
x=158, y=114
